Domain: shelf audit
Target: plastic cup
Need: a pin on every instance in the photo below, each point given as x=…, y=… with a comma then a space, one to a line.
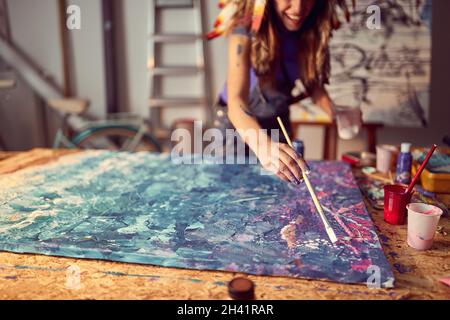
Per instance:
x=348, y=120
x=422, y=223
x=386, y=157
x=395, y=201
x=348, y=114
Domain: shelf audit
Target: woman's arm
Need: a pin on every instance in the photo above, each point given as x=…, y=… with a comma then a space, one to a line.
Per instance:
x=285, y=162
x=238, y=90
x=321, y=98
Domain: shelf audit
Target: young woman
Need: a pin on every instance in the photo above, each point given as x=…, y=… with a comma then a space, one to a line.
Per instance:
x=272, y=44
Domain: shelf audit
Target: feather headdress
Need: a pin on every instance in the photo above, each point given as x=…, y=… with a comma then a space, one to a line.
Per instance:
x=230, y=8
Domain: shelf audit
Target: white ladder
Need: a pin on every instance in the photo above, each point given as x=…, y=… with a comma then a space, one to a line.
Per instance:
x=200, y=67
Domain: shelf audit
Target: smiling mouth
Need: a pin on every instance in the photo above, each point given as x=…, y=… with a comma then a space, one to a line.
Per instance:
x=293, y=19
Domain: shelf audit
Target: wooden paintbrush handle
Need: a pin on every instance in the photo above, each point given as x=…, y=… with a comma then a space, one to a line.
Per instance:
x=303, y=165
x=315, y=200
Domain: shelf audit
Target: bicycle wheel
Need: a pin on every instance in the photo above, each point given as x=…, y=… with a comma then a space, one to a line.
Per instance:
x=115, y=138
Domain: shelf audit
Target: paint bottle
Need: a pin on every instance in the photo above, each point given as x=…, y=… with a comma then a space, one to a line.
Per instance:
x=299, y=147
x=404, y=164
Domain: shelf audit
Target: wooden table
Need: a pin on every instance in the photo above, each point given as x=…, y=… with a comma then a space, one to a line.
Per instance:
x=32, y=276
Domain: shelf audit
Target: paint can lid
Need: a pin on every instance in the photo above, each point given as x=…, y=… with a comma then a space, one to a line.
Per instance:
x=405, y=147
x=241, y=289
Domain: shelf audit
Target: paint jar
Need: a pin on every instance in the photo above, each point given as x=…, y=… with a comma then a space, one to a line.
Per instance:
x=386, y=158
x=395, y=201
x=422, y=224
x=241, y=288
x=299, y=147
x=404, y=164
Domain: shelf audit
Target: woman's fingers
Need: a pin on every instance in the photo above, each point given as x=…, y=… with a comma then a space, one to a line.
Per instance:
x=291, y=163
x=285, y=164
x=300, y=162
x=282, y=176
x=278, y=168
x=286, y=171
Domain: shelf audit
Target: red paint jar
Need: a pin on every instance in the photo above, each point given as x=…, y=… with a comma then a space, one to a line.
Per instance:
x=395, y=201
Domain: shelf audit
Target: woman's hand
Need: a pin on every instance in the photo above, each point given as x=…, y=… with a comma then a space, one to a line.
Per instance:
x=283, y=161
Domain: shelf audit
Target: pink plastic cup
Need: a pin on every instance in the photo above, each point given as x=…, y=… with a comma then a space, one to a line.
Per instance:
x=386, y=157
x=422, y=224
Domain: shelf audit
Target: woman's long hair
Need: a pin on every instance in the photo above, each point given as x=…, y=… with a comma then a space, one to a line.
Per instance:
x=314, y=37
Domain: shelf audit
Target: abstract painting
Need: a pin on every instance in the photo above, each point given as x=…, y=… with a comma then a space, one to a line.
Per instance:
x=144, y=208
x=386, y=67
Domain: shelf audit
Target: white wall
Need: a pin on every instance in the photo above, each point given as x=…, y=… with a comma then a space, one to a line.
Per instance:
x=87, y=44
x=135, y=19
x=35, y=31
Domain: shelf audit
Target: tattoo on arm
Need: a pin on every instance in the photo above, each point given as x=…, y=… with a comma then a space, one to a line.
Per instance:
x=239, y=49
x=239, y=52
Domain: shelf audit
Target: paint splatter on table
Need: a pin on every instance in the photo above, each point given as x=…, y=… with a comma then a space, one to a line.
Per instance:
x=142, y=208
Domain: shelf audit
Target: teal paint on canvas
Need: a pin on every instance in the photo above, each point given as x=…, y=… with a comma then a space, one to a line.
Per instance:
x=143, y=208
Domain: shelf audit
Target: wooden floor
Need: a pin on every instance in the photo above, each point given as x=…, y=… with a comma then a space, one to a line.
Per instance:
x=30, y=276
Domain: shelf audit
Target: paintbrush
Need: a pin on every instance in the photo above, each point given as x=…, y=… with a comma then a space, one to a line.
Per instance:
x=419, y=172
x=327, y=225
